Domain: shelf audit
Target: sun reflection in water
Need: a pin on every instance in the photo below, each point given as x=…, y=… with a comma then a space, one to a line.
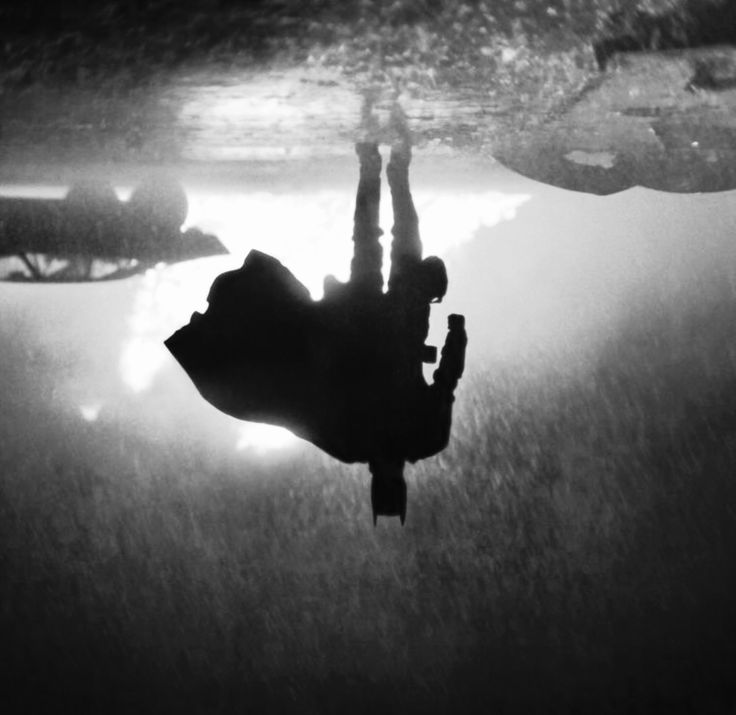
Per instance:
x=264, y=438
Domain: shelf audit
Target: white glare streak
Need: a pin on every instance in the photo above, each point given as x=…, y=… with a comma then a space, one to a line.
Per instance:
x=310, y=233
x=284, y=115
x=90, y=413
x=254, y=436
x=166, y=300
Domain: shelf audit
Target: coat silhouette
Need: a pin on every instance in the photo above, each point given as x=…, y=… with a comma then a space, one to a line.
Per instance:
x=344, y=372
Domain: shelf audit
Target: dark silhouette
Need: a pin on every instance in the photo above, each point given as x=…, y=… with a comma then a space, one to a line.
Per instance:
x=344, y=372
x=91, y=235
x=693, y=23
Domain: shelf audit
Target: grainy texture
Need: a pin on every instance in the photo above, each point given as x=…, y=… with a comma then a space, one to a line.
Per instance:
x=571, y=551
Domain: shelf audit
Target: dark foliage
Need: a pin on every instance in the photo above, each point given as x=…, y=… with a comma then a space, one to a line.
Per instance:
x=42, y=40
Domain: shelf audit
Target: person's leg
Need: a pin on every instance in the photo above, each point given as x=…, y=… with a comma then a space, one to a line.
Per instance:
x=406, y=246
x=365, y=268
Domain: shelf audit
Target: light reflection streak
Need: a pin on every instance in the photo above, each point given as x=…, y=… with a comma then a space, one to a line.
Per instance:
x=261, y=438
x=286, y=115
x=90, y=412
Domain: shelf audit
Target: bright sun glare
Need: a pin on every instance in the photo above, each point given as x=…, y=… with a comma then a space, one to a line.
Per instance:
x=263, y=438
x=309, y=233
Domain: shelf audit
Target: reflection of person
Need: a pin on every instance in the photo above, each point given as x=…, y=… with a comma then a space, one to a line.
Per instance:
x=395, y=415
x=344, y=372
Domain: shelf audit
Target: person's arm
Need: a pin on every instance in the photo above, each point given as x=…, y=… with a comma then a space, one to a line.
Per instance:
x=452, y=362
x=436, y=413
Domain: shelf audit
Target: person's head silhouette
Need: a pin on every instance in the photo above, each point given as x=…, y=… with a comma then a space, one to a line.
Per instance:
x=388, y=488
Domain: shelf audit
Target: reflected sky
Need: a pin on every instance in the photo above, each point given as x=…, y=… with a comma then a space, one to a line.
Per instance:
x=537, y=271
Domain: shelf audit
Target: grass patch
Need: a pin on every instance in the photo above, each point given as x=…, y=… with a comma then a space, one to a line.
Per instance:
x=572, y=549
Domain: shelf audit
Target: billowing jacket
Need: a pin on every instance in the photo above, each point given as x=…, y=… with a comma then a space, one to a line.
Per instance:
x=333, y=372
